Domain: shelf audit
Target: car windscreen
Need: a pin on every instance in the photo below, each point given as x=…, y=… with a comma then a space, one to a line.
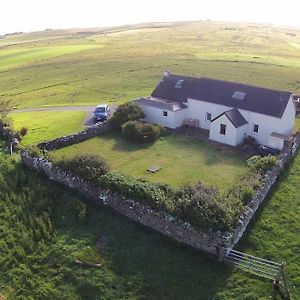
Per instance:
x=100, y=109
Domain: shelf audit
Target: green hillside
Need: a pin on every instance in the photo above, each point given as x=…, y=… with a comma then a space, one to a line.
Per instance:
x=83, y=66
x=44, y=228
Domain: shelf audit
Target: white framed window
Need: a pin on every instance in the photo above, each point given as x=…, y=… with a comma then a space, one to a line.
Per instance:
x=165, y=113
x=208, y=117
x=179, y=83
x=255, y=128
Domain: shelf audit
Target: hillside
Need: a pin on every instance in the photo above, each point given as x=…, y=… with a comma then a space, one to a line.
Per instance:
x=88, y=66
x=45, y=228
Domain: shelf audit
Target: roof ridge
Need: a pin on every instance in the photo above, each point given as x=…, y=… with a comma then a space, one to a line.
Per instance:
x=231, y=82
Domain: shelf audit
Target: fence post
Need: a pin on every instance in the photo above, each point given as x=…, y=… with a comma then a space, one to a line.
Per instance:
x=286, y=288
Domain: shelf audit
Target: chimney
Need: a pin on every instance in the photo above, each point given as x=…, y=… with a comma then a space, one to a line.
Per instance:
x=166, y=73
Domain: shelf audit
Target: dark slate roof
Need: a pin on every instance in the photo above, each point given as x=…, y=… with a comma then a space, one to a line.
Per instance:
x=234, y=116
x=257, y=99
x=166, y=105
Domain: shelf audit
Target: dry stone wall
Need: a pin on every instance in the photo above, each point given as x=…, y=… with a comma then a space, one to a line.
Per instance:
x=90, y=132
x=212, y=242
x=167, y=225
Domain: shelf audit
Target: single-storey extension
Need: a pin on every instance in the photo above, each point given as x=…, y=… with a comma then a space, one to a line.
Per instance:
x=230, y=111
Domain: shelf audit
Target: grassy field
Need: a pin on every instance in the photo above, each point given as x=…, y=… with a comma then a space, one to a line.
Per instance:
x=45, y=125
x=182, y=160
x=75, y=67
x=116, y=65
x=136, y=263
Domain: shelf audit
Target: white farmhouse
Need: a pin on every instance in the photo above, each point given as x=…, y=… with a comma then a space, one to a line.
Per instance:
x=230, y=111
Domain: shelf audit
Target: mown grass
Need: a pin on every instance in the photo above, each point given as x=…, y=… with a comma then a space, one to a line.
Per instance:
x=120, y=66
x=45, y=125
x=136, y=263
x=182, y=160
x=297, y=124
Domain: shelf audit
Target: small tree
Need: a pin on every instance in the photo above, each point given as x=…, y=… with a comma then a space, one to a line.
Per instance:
x=5, y=108
x=126, y=112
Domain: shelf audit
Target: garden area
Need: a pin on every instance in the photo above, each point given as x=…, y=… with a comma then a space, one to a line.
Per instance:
x=182, y=160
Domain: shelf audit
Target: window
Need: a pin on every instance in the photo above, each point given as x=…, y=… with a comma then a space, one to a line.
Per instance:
x=238, y=95
x=165, y=113
x=179, y=83
x=223, y=129
x=255, y=128
x=208, y=117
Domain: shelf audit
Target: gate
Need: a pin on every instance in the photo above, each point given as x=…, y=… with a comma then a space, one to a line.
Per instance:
x=260, y=267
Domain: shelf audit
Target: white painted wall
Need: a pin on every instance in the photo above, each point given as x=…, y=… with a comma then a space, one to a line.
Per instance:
x=155, y=115
x=198, y=109
x=229, y=138
x=268, y=124
x=242, y=133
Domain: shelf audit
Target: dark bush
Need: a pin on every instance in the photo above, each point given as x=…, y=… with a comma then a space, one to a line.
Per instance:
x=23, y=131
x=89, y=166
x=126, y=112
x=140, y=132
x=203, y=207
x=251, y=141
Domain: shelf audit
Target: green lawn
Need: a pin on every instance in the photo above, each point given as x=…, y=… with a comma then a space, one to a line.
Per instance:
x=297, y=124
x=182, y=160
x=44, y=125
x=67, y=68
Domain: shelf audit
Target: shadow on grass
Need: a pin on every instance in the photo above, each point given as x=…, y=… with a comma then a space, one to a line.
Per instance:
x=123, y=145
x=148, y=265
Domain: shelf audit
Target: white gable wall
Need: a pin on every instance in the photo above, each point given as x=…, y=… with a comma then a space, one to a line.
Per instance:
x=288, y=118
x=268, y=124
x=229, y=138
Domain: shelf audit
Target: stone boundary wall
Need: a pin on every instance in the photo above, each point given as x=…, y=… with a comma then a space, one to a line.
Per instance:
x=168, y=225
x=211, y=242
x=11, y=136
x=75, y=138
x=261, y=193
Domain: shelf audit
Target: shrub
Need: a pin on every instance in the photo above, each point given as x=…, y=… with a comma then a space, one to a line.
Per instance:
x=139, y=132
x=35, y=151
x=153, y=194
x=23, y=131
x=244, y=188
x=247, y=194
x=262, y=164
x=126, y=112
x=203, y=207
x=89, y=166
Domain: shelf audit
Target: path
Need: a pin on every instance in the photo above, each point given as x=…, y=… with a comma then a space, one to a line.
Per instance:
x=88, y=121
